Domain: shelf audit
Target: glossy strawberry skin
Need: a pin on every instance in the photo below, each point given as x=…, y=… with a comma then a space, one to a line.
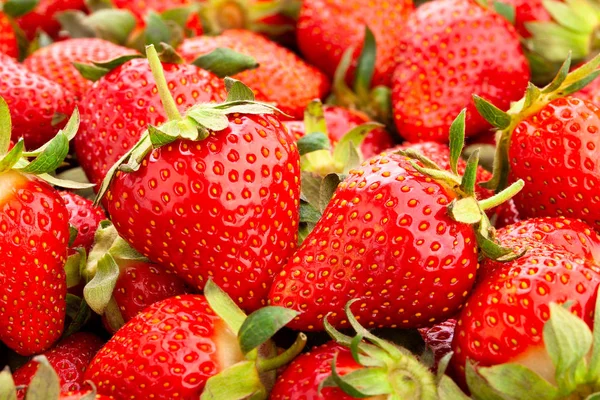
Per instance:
x=55, y=61
x=555, y=152
x=69, y=358
x=450, y=50
x=84, y=216
x=33, y=101
x=385, y=238
x=282, y=77
x=301, y=378
x=168, y=351
x=339, y=122
x=120, y=106
x=244, y=227
x=439, y=339
x=327, y=28
x=8, y=39
x=34, y=235
x=528, y=11
x=142, y=284
x=504, y=318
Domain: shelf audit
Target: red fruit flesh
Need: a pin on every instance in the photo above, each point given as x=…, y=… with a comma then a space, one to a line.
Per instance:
x=43, y=17
x=8, y=39
x=69, y=358
x=282, y=77
x=33, y=101
x=450, y=50
x=385, y=238
x=439, y=339
x=555, y=152
x=226, y=207
x=168, y=352
x=120, y=106
x=55, y=61
x=84, y=217
x=34, y=235
x=327, y=28
x=301, y=379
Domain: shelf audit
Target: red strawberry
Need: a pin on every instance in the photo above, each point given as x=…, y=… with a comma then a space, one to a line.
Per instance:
x=282, y=77
x=326, y=29
x=84, y=216
x=527, y=11
x=69, y=358
x=551, y=143
x=117, y=109
x=179, y=346
x=43, y=17
x=55, y=61
x=450, y=49
x=8, y=39
x=439, y=339
x=34, y=102
x=339, y=122
x=387, y=238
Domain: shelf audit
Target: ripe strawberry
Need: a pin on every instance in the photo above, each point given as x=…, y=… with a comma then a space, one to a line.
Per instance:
x=34, y=101
x=179, y=346
x=84, y=216
x=339, y=122
x=117, y=109
x=282, y=77
x=8, y=39
x=327, y=28
x=42, y=17
x=526, y=11
x=55, y=61
x=69, y=358
x=550, y=142
x=450, y=49
x=439, y=339
x=390, y=238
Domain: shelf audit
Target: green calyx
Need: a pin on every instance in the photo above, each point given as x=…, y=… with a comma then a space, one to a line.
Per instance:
x=255, y=375
x=196, y=124
x=43, y=161
x=18, y=8
x=574, y=351
x=376, y=102
x=466, y=208
x=535, y=99
x=114, y=25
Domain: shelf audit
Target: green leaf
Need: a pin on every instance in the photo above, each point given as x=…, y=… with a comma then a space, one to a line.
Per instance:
x=560, y=77
x=5, y=127
x=237, y=91
x=368, y=381
x=99, y=290
x=519, y=383
x=493, y=251
x=595, y=396
x=448, y=390
x=532, y=94
x=314, y=118
x=65, y=183
x=506, y=10
x=114, y=25
x=185, y=128
x=491, y=113
x=261, y=325
x=73, y=267
x=309, y=214
x=113, y=316
x=247, y=384
x=580, y=84
x=457, y=140
x=80, y=316
x=465, y=210
x=318, y=190
x=45, y=384
x=52, y=156
x=213, y=119
x=352, y=140
x=90, y=72
x=479, y=387
x=157, y=30
x=366, y=64
x=14, y=155
x=223, y=306
x=567, y=16
x=8, y=391
x=18, y=8
x=469, y=178
x=225, y=62
x=345, y=386
x=313, y=142
x=117, y=62
x=594, y=368
x=70, y=131
x=179, y=15
x=158, y=137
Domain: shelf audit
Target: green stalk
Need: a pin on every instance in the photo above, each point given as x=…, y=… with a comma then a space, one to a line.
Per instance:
x=270, y=364
x=162, y=85
x=503, y=196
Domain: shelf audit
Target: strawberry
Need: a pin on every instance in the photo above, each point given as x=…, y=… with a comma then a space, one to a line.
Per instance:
x=326, y=29
x=8, y=38
x=339, y=122
x=550, y=142
x=450, y=49
x=525, y=12
x=34, y=241
x=69, y=358
x=55, y=61
x=178, y=347
x=282, y=77
x=42, y=17
x=391, y=238
x=241, y=233
x=439, y=339
x=117, y=109
x=37, y=105
x=84, y=217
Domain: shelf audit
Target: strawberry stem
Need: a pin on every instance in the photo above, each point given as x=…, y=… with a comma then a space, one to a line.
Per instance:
x=270, y=364
x=503, y=196
x=162, y=85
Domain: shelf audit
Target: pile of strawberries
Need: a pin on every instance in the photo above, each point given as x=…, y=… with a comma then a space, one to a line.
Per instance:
x=299, y=199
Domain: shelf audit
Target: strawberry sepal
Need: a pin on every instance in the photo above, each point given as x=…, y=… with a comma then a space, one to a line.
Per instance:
x=110, y=24
x=224, y=62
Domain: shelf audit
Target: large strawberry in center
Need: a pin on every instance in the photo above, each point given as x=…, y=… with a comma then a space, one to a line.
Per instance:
x=213, y=193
